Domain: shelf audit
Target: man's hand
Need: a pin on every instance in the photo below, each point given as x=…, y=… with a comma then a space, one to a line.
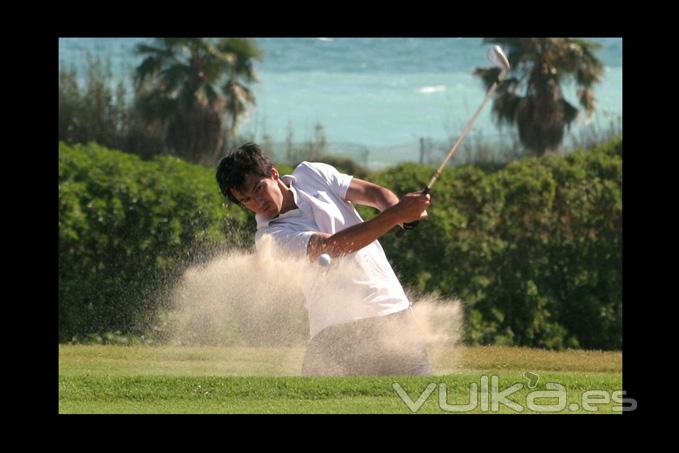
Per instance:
x=412, y=207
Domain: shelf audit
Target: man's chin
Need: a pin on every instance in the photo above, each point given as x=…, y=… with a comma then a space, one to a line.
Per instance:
x=271, y=214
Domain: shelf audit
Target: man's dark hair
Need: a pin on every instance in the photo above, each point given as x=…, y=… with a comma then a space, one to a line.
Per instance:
x=238, y=162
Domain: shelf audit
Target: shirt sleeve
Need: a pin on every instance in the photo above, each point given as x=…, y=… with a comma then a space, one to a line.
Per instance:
x=329, y=175
x=288, y=241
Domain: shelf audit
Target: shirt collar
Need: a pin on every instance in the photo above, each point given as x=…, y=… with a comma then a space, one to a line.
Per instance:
x=263, y=222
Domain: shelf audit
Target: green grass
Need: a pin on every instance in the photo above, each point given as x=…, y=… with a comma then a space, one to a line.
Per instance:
x=143, y=379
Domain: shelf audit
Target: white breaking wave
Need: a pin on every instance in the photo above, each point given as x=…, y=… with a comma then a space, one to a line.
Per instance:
x=433, y=89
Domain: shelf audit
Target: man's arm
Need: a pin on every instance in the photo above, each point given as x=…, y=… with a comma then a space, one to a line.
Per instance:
x=393, y=212
x=369, y=194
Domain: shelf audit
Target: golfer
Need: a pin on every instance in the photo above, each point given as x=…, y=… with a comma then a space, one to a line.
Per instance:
x=311, y=212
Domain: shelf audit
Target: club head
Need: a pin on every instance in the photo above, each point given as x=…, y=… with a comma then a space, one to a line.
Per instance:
x=499, y=59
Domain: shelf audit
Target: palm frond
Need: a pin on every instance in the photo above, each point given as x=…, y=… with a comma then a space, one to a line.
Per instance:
x=243, y=51
x=215, y=100
x=246, y=94
x=146, y=49
x=172, y=43
x=587, y=100
x=587, y=46
x=508, y=85
x=505, y=109
x=570, y=112
x=243, y=48
x=147, y=69
x=174, y=76
x=488, y=75
x=235, y=91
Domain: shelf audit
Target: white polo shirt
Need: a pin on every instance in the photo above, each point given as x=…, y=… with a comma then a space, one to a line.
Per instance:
x=319, y=191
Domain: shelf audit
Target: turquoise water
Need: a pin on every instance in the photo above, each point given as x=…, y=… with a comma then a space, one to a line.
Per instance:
x=377, y=94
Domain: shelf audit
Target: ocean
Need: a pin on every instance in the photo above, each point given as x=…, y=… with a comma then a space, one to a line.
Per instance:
x=374, y=97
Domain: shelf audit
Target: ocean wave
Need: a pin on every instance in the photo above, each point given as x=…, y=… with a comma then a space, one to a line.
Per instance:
x=432, y=89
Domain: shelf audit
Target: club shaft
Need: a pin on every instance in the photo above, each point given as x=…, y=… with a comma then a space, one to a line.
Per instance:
x=461, y=138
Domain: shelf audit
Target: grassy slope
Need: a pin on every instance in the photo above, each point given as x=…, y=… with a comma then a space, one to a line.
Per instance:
x=102, y=379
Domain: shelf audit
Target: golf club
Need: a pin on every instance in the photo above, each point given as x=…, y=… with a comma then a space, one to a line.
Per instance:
x=498, y=58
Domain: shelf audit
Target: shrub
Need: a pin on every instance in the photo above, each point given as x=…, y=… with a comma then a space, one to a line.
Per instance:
x=533, y=250
x=127, y=230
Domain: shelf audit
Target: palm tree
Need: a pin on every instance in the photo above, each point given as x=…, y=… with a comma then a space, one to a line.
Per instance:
x=533, y=99
x=179, y=86
x=238, y=95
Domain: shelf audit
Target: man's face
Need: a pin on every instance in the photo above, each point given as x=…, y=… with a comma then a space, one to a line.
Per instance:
x=261, y=195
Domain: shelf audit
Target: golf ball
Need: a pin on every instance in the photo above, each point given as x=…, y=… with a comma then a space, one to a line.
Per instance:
x=324, y=260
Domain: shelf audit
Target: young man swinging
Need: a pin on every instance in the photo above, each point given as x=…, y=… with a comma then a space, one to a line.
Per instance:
x=311, y=212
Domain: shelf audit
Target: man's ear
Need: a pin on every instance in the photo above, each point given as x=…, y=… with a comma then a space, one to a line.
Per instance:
x=274, y=173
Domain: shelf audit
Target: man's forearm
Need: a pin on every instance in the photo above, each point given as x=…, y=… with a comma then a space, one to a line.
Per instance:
x=385, y=199
x=369, y=194
x=358, y=236
x=395, y=211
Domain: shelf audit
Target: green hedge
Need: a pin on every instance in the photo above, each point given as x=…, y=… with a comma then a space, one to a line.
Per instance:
x=129, y=227
x=534, y=250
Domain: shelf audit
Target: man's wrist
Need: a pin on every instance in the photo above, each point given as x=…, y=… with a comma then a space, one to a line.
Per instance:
x=391, y=216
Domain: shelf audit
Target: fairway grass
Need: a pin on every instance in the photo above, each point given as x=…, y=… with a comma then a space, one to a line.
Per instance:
x=144, y=379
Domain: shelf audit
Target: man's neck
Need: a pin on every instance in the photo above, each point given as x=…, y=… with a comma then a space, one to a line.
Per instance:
x=288, y=198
